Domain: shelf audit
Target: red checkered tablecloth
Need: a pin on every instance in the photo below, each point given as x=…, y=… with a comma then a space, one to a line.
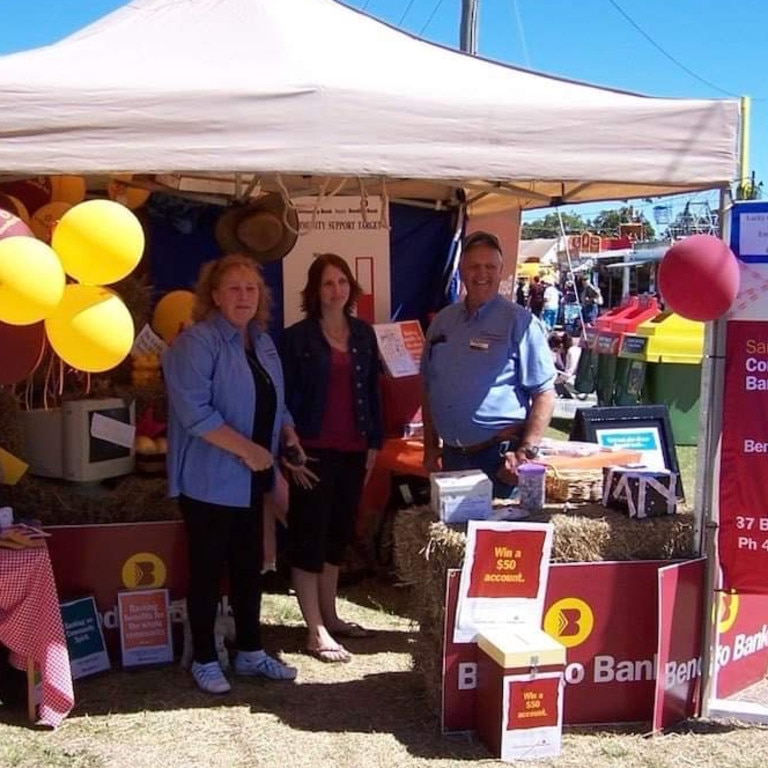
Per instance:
x=31, y=627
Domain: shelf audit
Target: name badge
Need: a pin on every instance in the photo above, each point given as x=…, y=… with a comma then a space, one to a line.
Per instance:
x=483, y=346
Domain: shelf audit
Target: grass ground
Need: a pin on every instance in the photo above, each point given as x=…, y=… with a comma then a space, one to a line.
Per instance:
x=369, y=713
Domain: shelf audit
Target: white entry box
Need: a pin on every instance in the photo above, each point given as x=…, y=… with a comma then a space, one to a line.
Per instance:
x=461, y=496
x=519, y=699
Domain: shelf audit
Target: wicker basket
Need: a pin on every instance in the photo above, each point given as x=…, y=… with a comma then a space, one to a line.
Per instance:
x=583, y=485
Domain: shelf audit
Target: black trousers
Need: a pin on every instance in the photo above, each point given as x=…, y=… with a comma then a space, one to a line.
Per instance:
x=321, y=519
x=217, y=534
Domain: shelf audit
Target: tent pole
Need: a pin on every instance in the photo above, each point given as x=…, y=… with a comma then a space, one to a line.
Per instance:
x=706, y=501
x=468, y=30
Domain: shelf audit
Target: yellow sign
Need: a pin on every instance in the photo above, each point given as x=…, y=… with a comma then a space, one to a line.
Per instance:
x=11, y=468
x=570, y=621
x=143, y=570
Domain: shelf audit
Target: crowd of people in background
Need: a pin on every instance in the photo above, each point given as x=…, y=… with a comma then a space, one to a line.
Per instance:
x=568, y=304
x=564, y=308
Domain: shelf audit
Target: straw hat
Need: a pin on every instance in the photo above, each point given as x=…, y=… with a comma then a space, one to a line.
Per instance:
x=258, y=229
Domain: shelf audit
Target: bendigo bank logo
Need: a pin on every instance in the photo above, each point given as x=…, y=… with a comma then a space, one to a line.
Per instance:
x=727, y=610
x=569, y=621
x=143, y=570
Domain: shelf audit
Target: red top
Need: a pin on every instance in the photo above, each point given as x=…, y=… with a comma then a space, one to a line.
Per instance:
x=339, y=429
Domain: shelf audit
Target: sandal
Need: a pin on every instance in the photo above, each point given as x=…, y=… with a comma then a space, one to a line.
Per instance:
x=351, y=629
x=337, y=655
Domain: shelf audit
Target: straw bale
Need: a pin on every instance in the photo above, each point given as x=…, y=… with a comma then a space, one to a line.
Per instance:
x=126, y=499
x=136, y=293
x=410, y=532
x=10, y=425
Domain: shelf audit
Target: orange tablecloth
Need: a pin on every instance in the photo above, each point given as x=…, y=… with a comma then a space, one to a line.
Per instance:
x=31, y=627
x=405, y=456
x=401, y=455
x=596, y=461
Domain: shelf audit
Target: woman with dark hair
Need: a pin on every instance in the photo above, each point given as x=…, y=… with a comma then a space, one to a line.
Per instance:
x=226, y=420
x=331, y=382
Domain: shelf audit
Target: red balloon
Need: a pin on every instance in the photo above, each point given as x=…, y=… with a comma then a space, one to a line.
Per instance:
x=699, y=278
x=21, y=351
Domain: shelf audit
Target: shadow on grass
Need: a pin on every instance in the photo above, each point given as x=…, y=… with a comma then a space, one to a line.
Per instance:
x=387, y=702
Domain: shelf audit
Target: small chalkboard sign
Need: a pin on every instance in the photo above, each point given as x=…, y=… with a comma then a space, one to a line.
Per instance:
x=642, y=428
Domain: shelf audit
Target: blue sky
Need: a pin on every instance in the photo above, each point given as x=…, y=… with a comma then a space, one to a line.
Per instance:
x=680, y=48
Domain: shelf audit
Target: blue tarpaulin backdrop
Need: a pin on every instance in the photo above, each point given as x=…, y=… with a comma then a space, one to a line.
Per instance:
x=180, y=238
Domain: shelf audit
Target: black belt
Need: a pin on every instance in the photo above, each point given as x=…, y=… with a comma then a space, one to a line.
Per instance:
x=508, y=433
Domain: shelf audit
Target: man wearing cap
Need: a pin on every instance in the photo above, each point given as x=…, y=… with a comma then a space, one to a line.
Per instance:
x=488, y=376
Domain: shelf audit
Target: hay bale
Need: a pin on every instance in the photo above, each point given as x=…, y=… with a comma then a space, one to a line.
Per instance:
x=445, y=550
x=410, y=533
x=589, y=533
x=10, y=423
x=129, y=499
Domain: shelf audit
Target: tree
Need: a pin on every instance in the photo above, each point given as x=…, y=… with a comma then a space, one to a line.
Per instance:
x=549, y=226
x=608, y=223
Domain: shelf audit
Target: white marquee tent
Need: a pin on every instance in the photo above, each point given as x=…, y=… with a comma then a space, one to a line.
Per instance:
x=303, y=93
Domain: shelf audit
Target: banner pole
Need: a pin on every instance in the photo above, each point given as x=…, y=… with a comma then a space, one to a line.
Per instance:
x=706, y=501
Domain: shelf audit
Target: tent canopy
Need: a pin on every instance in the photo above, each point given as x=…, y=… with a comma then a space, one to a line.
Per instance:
x=220, y=95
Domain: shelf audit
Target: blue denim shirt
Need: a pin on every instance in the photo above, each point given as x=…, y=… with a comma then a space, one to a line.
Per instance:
x=480, y=371
x=307, y=364
x=210, y=384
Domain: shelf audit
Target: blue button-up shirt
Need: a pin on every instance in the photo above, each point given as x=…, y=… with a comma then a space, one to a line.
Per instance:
x=209, y=384
x=481, y=370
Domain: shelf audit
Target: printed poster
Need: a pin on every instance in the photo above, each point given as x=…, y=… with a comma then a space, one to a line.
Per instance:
x=85, y=639
x=400, y=347
x=338, y=225
x=145, y=627
x=504, y=577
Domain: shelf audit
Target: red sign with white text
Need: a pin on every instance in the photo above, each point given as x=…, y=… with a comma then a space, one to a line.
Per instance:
x=743, y=531
x=742, y=642
x=533, y=703
x=500, y=570
x=681, y=606
x=605, y=614
x=102, y=560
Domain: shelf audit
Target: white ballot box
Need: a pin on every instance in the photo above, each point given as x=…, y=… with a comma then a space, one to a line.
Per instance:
x=519, y=700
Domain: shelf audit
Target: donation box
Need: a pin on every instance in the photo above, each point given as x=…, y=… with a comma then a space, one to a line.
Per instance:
x=519, y=704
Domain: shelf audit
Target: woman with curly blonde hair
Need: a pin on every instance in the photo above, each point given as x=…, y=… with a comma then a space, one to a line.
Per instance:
x=227, y=419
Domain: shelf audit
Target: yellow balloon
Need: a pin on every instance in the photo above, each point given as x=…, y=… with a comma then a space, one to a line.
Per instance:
x=120, y=190
x=46, y=218
x=91, y=329
x=31, y=280
x=99, y=242
x=67, y=189
x=173, y=313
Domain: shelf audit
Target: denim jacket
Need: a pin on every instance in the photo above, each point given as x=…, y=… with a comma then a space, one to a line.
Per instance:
x=306, y=359
x=210, y=384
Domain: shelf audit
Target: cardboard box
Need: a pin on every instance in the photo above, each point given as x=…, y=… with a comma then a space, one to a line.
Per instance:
x=461, y=496
x=640, y=492
x=519, y=700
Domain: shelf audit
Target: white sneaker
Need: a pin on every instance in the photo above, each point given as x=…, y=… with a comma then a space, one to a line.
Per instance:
x=260, y=664
x=209, y=677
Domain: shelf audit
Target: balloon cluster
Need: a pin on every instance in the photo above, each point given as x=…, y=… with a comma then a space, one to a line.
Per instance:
x=96, y=243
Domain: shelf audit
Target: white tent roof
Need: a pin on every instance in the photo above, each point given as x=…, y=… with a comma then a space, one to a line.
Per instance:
x=311, y=89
